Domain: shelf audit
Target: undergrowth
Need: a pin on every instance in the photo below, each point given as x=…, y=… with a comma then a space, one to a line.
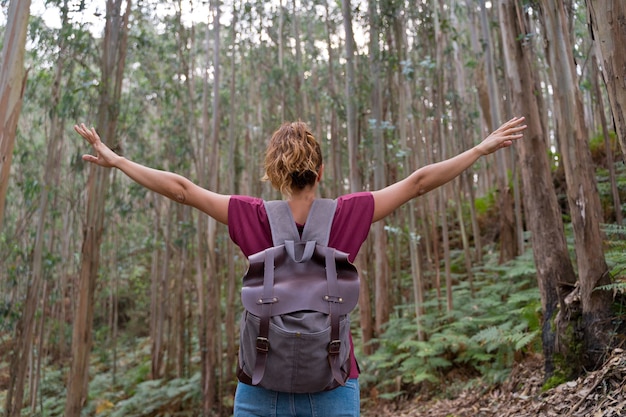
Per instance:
x=479, y=338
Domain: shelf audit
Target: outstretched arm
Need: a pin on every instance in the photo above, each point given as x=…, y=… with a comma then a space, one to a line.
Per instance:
x=173, y=186
x=434, y=175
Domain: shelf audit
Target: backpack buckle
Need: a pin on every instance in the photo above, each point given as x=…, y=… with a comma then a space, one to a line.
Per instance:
x=333, y=299
x=262, y=344
x=334, y=347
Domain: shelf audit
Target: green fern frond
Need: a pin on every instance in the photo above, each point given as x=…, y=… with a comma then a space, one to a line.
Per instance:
x=424, y=376
x=526, y=339
x=615, y=286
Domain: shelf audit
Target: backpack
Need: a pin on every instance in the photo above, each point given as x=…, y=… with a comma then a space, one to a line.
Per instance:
x=297, y=298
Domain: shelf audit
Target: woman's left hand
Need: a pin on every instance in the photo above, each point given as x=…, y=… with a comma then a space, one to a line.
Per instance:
x=104, y=156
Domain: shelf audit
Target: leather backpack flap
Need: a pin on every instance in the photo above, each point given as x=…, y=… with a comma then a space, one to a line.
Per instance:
x=290, y=278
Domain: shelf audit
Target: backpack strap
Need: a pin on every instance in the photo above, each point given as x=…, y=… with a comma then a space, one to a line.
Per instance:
x=316, y=228
x=262, y=342
x=334, y=346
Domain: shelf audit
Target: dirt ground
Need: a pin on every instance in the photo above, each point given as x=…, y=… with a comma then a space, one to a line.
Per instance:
x=601, y=393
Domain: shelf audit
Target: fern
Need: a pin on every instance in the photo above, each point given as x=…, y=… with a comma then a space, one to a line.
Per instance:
x=151, y=396
x=483, y=332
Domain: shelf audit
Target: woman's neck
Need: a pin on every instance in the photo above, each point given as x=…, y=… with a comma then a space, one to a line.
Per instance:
x=300, y=203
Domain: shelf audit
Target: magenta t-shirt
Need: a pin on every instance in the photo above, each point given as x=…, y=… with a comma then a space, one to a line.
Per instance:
x=250, y=230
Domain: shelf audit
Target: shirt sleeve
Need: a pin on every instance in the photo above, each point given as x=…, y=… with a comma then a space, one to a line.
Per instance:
x=352, y=222
x=248, y=225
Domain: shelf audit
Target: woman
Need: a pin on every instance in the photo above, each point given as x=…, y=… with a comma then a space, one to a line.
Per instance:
x=294, y=166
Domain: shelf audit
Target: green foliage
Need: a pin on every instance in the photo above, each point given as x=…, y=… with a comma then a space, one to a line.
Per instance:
x=553, y=382
x=483, y=204
x=482, y=334
x=52, y=394
x=598, y=147
x=615, y=255
x=152, y=396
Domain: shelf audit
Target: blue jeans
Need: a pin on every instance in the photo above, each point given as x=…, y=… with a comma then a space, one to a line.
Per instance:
x=251, y=401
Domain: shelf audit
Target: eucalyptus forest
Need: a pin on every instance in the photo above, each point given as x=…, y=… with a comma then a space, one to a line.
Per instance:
x=115, y=301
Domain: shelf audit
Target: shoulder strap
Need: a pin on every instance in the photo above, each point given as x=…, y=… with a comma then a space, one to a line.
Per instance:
x=316, y=228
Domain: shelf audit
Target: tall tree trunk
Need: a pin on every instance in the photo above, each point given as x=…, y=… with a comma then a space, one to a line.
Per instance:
x=508, y=242
x=208, y=279
x=203, y=256
x=381, y=266
x=233, y=146
x=25, y=335
x=215, y=277
x=335, y=145
x=301, y=102
x=281, y=61
x=608, y=149
x=353, y=152
x=607, y=21
x=112, y=66
x=50, y=181
x=582, y=194
x=351, y=104
x=440, y=139
x=114, y=307
x=555, y=273
x=12, y=85
x=156, y=300
x=460, y=102
x=478, y=75
x=410, y=160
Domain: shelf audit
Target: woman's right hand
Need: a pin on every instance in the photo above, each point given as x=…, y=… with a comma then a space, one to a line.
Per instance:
x=104, y=156
x=503, y=136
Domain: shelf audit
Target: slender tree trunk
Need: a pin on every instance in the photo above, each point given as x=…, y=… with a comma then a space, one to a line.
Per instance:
x=25, y=337
x=281, y=61
x=12, y=85
x=381, y=266
x=353, y=152
x=608, y=149
x=607, y=21
x=440, y=138
x=555, y=273
x=50, y=182
x=114, y=305
x=164, y=307
x=112, y=65
x=207, y=276
x=469, y=178
x=215, y=277
x=508, y=243
x=335, y=145
x=410, y=160
x=301, y=102
x=460, y=103
x=40, y=349
x=351, y=105
x=64, y=286
x=156, y=307
x=203, y=256
x=233, y=145
x=582, y=195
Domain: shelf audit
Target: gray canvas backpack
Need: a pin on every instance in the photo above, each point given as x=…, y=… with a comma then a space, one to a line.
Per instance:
x=297, y=296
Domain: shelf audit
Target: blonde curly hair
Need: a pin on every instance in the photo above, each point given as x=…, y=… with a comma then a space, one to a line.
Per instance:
x=293, y=158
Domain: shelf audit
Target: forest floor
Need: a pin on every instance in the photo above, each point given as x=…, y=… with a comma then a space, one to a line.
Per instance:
x=601, y=393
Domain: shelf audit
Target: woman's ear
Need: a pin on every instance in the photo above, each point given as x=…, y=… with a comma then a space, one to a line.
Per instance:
x=319, y=173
